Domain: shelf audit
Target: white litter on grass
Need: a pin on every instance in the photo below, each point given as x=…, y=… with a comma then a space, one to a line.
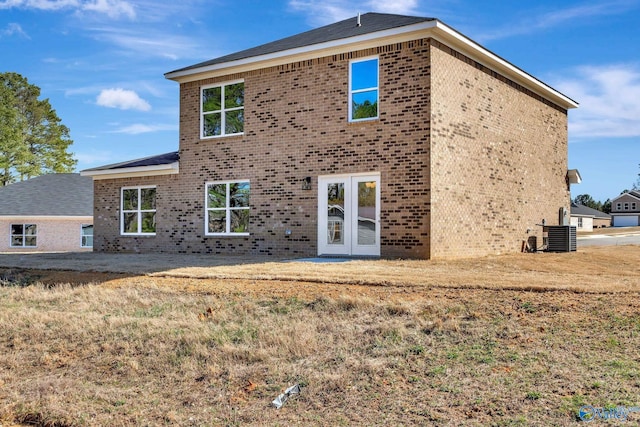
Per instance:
x=279, y=401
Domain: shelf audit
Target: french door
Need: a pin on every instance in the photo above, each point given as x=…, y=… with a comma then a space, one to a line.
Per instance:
x=349, y=215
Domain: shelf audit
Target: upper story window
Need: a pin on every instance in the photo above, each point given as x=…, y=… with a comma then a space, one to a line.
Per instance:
x=24, y=235
x=222, y=110
x=227, y=208
x=626, y=206
x=633, y=206
x=618, y=206
x=363, y=89
x=138, y=211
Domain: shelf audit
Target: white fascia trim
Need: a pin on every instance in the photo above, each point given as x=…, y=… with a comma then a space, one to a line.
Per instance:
x=168, y=169
x=625, y=194
x=34, y=218
x=434, y=29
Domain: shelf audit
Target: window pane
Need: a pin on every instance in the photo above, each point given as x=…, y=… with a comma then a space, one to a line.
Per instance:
x=212, y=124
x=234, y=122
x=365, y=105
x=130, y=222
x=130, y=199
x=217, y=196
x=234, y=95
x=30, y=230
x=148, y=198
x=16, y=241
x=239, y=220
x=217, y=222
x=211, y=99
x=148, y=222
x=30, y=241
x=367, y=213
x=17, y=229
x=364, y=74
x=335, y=213
x=87, y=230
x=87, y=241
x=239, y=195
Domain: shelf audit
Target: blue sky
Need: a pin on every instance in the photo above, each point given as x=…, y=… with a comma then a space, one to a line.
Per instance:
x=101, y=63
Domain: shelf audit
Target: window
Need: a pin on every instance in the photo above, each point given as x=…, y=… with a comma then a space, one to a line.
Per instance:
x=24, y=235
x=138, y=213
x=618, y=206
x=363, y=89
x=86, y=236
x=633, y=206
x=579, y=222
x=626, y=206
x=222, y=110
x=227, y=208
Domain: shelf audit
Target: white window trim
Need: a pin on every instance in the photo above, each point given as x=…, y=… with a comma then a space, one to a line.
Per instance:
x=227, y=208
x=222, y=111
x=626, y=206
x=139, y=211
x=24, y=235
x=85, y=235
x=352, y=92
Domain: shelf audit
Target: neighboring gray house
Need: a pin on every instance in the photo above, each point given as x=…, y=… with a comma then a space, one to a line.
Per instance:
x=47, y=213
x=585, y=218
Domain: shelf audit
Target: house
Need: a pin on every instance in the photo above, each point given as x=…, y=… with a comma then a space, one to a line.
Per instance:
x=380, y=135
x=625, y=209
x=585, y=218
x=47, y=213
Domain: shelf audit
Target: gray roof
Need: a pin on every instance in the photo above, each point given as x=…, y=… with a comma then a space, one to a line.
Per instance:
x=370, y=23
x=157, y=160
x=63, y=194
x=587, y=211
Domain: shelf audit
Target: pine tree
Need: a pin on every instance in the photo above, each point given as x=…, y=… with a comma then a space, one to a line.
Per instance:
x=33, y=140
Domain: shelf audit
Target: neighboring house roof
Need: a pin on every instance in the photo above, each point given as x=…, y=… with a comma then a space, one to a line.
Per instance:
x=363, y=32
x=161, y=164
x=633, y=193
x=581, y=210
x=63, y=194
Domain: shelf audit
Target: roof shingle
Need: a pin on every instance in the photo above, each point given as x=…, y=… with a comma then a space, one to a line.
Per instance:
x=64, y=194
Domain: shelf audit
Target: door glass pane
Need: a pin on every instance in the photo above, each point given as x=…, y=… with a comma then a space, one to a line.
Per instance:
x=335, y=213
x=367, y=213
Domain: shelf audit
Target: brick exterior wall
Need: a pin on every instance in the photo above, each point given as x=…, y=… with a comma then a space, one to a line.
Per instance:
x=52, y=235
x=456, y=180
x=499, y=160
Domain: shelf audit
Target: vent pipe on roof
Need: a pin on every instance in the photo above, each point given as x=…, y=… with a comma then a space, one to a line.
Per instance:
x=359, y=24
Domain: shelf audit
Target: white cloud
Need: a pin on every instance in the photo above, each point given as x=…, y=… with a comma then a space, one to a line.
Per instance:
x=111, y=8
x=323, y=12
x=13, y=29
x=122, y=99
x=609, y=98
x=138, y=128
x=559, y=17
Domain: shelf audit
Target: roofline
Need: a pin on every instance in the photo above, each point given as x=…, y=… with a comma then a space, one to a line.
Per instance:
x=625, y=194
x=46, y=217
x=433, y=28
x=154, y=170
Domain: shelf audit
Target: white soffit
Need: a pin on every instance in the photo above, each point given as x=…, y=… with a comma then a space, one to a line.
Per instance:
x=434, y=29
x=156, y=170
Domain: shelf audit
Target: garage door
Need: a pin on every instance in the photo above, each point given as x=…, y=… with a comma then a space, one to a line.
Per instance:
x=625, y=221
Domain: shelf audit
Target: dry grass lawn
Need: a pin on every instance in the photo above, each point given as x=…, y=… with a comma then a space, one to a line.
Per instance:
x=505, y=340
